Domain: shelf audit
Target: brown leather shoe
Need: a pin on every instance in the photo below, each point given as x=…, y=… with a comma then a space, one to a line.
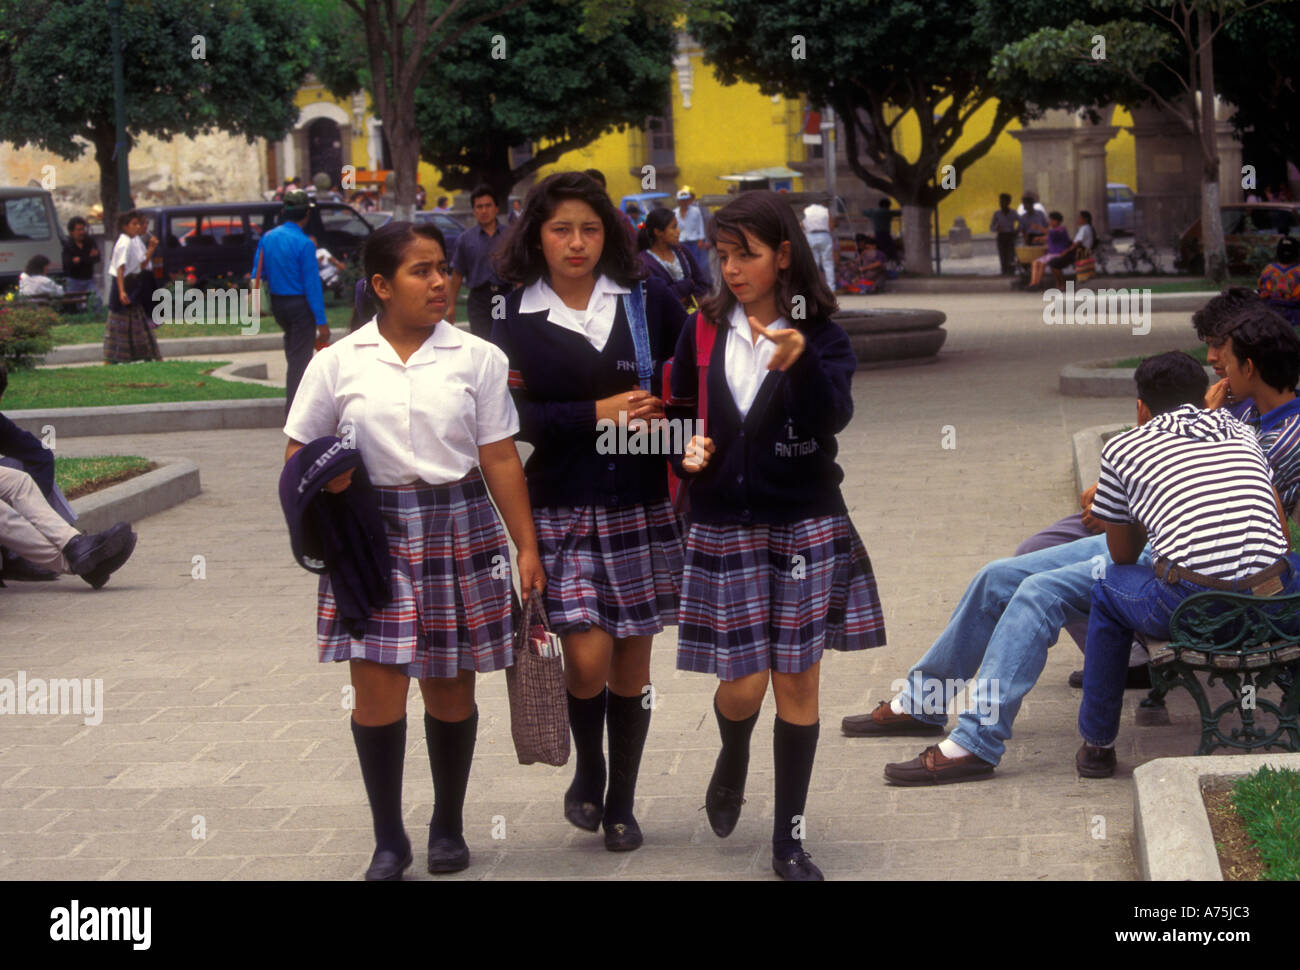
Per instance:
x=883, y=721
x=1091, y=761
x=930, y=767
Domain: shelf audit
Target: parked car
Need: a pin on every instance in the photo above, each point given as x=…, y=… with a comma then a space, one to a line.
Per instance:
x=217, y=241
x=1251, y=230
x=449, y=225
x=1119, y=208
x=29, y=226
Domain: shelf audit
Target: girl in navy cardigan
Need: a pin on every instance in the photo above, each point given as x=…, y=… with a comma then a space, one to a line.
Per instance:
x=775, y=571
x=663, y=259
x=608, y=537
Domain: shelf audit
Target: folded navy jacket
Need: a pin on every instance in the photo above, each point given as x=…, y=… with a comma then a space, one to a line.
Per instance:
x=339, y=534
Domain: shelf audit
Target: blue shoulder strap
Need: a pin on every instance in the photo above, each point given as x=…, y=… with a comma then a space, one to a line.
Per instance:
x=634, y=307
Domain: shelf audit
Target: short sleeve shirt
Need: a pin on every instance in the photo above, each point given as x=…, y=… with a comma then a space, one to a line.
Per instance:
x=422, y=420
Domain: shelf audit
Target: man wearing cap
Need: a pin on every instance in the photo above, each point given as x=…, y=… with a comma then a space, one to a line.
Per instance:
x=287, y=260
x=691, y=223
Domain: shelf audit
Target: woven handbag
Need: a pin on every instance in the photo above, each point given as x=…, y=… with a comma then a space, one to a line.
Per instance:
x=539, y=707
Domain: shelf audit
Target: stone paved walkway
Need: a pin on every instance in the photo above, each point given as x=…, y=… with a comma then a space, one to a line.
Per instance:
x=218, y=717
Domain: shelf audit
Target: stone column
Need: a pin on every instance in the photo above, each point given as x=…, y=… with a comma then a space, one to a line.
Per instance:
x=1048, y=160
x=1090, y=176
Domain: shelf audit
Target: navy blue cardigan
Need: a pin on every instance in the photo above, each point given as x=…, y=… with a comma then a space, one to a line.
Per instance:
x=691, y=283
x=778, y=465
x=556, y=377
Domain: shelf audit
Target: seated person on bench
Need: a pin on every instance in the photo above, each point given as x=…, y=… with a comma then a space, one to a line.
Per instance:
x=1058, y=241
x=1084, y=240
x=34, y=282
x=1197, y=483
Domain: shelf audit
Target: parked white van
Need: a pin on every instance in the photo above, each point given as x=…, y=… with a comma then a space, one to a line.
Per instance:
x=29, y=226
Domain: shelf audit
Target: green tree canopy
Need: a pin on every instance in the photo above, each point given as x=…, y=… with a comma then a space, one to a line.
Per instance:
x=56, y=71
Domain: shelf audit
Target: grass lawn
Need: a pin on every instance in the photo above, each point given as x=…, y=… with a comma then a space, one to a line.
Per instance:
x=1268, y=802
x=1199, y=352
x=145, y=382
x=88, y=328
x=81, y=476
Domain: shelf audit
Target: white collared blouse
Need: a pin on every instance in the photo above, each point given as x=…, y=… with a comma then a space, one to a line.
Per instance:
x=422, y=420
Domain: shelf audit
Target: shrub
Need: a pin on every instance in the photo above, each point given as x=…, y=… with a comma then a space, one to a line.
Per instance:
x=25, y=334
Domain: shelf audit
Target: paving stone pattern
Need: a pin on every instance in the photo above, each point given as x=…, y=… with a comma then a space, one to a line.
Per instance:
x=220, y=722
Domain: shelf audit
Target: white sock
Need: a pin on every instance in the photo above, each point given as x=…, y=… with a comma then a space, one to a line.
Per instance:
x=951, y=749
x=896, y=705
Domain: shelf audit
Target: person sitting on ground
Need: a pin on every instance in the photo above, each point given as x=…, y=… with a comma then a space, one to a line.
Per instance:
x=1031, y=220
x=863, y=272
x=33, y=281
x=1082, y=245
x=1058, y=241
x=1198, y=484
x=34, y=532
x=1279, y=283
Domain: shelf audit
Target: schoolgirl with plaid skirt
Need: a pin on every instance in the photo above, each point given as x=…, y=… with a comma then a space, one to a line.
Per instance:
x=427, y=405
x=584, y=334
x=775, y=571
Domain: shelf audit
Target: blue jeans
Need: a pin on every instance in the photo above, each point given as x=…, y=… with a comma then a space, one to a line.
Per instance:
x=1130, y=598
x=1009, y=616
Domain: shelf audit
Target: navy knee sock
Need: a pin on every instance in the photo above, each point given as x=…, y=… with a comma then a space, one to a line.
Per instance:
x=629, y=723
x=733, y=760
x=587, y=722
x=451, y=752
x=382, y=751
x=793, y=748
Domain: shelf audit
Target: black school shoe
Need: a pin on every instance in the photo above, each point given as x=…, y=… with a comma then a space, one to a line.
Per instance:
x=98, y=576
x=585, y=815
x=21, y=570
x=388, y=866
x=797, y=868
x=1093, y=762
x=722, y=806
x=623, y=836
x=447, y=854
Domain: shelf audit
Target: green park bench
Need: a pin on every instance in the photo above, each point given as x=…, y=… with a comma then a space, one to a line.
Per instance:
x=1241, y=641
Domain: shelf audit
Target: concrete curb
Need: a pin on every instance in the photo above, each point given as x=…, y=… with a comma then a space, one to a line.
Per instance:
x=265, y=412
x=182, y=347
x=1174, y=841
x=173, y=482
x=1098, y=379
x=1087, y=446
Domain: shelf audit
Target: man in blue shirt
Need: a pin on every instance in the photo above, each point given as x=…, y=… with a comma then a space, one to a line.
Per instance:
x=471, y=263
x=287, y=260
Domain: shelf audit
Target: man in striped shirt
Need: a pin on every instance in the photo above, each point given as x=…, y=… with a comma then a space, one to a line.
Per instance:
x=1197, y=484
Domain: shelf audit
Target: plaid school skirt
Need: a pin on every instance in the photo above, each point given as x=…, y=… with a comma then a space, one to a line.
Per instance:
x=449, y=612
x=773, y=597
x=616, y=568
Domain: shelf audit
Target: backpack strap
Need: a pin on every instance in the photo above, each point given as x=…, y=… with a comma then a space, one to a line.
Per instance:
x=634, y=307
x=705, y=336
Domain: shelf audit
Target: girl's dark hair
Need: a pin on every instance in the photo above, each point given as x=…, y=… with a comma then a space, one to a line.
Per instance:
x=383, y=254
x=1056, y=215
x=657, y=221
x=36, y=265
x=520, y=259
x=1288, y=250
x=770, y=220
x=1260, y=335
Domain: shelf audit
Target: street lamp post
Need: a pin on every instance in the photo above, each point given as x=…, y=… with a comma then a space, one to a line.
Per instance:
x=120, y=152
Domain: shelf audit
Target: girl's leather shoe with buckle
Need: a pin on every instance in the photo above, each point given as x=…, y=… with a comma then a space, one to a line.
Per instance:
x=623, y=836
x=797, y=868
x=447, y=854
x=722, y=806
x=585, y=815
x=388, y=866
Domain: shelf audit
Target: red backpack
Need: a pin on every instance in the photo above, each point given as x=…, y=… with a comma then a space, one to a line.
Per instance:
x=705, y=335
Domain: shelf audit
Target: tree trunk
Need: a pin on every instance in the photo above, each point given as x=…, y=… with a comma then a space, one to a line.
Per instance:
x=105, y=140
x=406, y=164
x=917, y=239
x=1216, y=256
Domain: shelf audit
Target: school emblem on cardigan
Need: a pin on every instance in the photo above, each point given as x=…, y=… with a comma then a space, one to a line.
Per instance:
x=661, y=436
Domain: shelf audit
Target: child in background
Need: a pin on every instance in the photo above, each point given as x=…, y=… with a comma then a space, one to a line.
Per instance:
x=775, y=571
x=863, y=272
